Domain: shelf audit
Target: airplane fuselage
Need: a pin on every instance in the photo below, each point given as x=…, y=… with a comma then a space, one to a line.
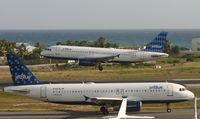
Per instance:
x=78, y=93
x=120, y=55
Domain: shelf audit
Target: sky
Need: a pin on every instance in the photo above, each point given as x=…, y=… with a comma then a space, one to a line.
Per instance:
x=99, y=14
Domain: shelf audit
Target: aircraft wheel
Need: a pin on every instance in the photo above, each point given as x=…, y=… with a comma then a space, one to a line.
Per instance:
x=104, y=111
x=169, y=110
x=100, y=67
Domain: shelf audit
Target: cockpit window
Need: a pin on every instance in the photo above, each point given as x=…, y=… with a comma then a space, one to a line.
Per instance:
x=48, y=49
x=182, y=89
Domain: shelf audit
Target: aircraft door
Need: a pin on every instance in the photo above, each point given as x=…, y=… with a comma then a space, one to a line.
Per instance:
x=133, y=55
x=141, y=55
x=117, y=91
x=169, y=90
x=43, y=92
x=120, y=92
x=90, y=53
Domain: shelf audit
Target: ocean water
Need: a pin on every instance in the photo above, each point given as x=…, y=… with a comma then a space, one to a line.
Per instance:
x=180, y=37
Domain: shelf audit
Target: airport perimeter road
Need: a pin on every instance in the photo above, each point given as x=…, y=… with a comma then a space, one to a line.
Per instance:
x=175, y=114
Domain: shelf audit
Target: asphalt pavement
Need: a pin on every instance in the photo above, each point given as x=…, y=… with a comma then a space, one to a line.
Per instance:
x=67, y=114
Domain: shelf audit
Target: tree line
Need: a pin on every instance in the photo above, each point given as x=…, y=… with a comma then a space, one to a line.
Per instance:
x=100, y=42
x=20, y=50
x=171, y=49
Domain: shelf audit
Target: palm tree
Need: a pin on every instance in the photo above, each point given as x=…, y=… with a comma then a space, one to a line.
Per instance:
x=22, y=51
x=6, y=47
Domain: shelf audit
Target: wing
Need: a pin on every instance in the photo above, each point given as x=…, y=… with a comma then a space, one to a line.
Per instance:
x=105, y=100
x=100, y=58
x=108, y=100
x=122, y=110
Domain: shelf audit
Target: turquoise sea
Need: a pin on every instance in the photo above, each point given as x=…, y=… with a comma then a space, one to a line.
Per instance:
x=180, y=37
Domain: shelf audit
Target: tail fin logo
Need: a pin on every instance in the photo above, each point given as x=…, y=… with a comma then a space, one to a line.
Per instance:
x=157, y=45
x=23, y=77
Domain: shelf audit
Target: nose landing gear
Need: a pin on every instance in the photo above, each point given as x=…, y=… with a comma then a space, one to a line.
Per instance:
x=100, y=67
x=168, y=108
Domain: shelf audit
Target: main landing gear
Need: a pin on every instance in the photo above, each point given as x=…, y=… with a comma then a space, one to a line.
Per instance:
x=104, y=110
x=100, y=67
x=168, y=108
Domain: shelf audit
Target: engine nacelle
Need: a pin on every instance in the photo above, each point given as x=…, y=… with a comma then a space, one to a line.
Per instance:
x=132, y=106
x=86, y=62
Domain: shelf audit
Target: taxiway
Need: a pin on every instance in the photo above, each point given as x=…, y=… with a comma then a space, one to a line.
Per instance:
x=67, y=114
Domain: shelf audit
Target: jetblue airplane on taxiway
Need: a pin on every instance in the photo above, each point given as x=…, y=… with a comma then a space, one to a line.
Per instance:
x=103, y=94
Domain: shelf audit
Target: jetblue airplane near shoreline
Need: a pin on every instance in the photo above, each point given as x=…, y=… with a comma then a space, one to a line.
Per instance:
x=91, y=56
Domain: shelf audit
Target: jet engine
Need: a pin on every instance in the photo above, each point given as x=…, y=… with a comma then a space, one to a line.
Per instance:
x=132, y=106
x=86, y=62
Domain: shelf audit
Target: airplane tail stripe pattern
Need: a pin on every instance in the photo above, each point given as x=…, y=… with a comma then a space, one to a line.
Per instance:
x=21, y=75
x=157, y=45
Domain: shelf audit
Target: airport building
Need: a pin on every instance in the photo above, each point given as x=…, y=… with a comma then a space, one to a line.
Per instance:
x=29, y=47
x=196, y=44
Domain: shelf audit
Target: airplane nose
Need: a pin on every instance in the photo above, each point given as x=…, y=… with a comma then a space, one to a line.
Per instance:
x=190, y=95
x=165, y=55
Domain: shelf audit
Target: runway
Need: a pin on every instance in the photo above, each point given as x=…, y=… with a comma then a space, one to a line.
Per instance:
x=159, y=114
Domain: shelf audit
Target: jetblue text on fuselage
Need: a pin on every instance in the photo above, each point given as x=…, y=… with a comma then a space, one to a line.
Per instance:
x=155, y=87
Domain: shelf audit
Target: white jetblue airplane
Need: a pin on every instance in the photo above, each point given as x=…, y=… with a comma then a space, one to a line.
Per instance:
x=90, y=56
x=102, y=94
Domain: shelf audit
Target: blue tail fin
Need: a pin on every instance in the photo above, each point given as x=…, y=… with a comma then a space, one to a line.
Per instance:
x=157, y=45
x=21, y=75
